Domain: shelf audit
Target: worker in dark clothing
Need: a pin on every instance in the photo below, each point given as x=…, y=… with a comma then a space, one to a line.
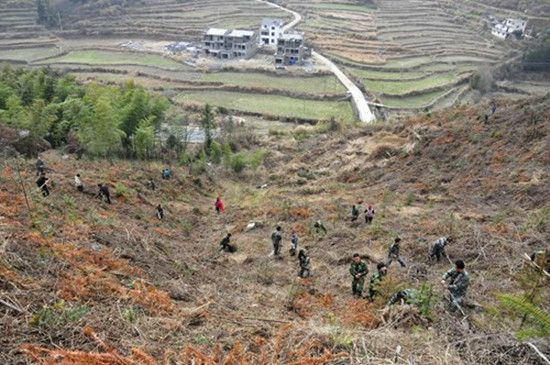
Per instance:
x=486, y=118
x=354, y=213
x=104, y=193
x=303, y=258
x=493, y=109
x=42, y=183
x=276, y=238
x=152, y=184
x=393, y=253
x=225, y=243
x=40, y=167
x=160, y=212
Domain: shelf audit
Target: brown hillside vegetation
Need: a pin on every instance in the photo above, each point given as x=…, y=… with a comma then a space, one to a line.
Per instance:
x=84, y=282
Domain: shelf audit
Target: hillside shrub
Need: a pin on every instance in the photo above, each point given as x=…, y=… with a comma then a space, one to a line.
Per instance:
x=238, y=162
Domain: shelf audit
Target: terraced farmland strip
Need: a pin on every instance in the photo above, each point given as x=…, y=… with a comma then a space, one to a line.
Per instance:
x=405, y=87
x=412, y=101
x=270, y=104
x=333, y=6
x=311, y=85
x=28, y=54
x=94, y=57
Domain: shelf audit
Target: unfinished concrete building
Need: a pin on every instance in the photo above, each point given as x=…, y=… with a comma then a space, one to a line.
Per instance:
x=226, y=44
x=290, y=49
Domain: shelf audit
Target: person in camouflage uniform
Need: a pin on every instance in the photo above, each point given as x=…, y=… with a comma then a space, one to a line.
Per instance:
x=358, y=270
x=303, y=258
x=276, y=240
x=437, y=248
x=407, y=295
x=376, y=278
x=458, y=284
x=393, y=253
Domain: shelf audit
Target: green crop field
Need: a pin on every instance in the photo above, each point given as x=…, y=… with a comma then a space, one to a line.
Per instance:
x=96, y=57
x=380, y=75
x=312, y=85
x=271, y=104
x=405, y=87
x=28, y=54
x=412, y=101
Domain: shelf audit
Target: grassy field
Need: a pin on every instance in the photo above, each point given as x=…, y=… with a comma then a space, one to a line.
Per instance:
x=412, y=101
x=405, y=87
x=332, y=6
x=381, y=75
x=28, y=54
x=312, y=85
x=96, y=57
x=271, y=104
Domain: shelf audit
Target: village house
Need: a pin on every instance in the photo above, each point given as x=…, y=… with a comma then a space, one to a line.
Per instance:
x=226, y=44
x=505, y=28
x=270, y=31
x=290, y=49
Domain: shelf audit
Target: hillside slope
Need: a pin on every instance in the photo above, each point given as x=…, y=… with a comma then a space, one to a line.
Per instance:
x=80, y=275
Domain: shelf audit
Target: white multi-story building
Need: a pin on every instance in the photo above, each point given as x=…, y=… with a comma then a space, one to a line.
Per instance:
x=506, y=28
x=270, y=31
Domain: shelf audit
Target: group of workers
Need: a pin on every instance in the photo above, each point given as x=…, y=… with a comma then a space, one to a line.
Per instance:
x=103, y=189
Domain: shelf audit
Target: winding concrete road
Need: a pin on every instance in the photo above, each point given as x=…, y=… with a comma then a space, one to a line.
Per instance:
x=358, y=99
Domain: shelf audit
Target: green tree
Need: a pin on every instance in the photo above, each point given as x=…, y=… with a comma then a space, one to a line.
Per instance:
x=41, y=10
x=537, y=57
x=101, y=134
x=144, y=139
x=207, y=125
x=216, y=152
x=227, y=155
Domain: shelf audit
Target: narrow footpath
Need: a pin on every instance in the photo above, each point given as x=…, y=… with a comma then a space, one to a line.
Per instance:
x=358, y=99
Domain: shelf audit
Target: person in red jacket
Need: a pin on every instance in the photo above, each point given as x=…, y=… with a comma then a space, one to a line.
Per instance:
x=219, y=205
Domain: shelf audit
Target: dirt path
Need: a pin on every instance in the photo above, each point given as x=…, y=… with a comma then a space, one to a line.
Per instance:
x=363, y=111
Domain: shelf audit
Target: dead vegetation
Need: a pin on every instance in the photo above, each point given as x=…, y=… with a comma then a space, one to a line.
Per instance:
x=83, y=282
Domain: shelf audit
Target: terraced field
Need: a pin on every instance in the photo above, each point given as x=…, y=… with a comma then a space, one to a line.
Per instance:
x=270, y=105
x=173, y=19
x=407, y=54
